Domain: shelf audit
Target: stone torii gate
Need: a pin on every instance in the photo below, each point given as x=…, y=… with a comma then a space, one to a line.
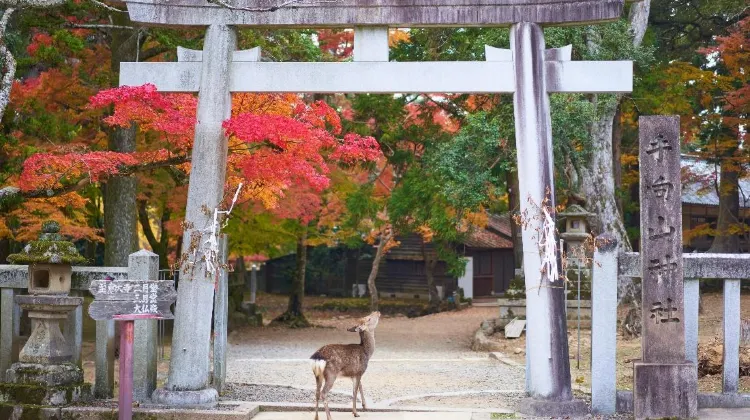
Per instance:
x=526, y=70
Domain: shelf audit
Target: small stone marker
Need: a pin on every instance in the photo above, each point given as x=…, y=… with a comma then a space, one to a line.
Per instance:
x=130, y=300
x=515, y=328
x=665, y=383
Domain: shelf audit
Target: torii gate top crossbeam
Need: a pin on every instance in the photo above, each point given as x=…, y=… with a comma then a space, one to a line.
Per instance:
x=393, y=13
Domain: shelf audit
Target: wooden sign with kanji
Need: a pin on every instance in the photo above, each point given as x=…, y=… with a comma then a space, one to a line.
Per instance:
x=124, y=300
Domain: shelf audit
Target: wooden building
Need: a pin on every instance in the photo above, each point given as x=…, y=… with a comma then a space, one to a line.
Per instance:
x=344, y=272
x=491, y=251
x=700, y=203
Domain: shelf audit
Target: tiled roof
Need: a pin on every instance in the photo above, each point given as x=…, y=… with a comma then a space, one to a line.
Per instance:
x=497, y=234
x=698, y=183
x=501, y=223
x=483, y=238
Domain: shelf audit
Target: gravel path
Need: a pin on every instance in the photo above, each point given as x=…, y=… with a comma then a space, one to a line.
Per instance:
x=414, y=358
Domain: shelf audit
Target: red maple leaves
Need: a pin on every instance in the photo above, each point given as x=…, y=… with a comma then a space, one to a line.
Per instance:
x=298, y=148
x=172, y=115
x=278, y=142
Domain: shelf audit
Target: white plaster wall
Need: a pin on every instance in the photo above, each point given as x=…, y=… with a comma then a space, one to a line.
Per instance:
x=467, y=280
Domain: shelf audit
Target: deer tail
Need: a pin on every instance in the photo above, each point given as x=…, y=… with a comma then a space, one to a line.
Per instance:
x=318, y=366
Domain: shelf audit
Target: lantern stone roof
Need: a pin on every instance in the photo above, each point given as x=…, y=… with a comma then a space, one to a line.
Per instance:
x=575, y=210
x=49, y=249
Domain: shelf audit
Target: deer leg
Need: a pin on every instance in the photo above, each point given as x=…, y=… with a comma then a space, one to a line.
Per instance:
x=330, y=379
x=354, y=396
x=362, y=394
x=319, y=384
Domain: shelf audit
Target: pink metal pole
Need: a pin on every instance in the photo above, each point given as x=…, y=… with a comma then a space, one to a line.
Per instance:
x=126, y=371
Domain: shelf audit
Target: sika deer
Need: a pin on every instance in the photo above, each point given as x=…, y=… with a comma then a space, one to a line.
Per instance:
x=348, y=360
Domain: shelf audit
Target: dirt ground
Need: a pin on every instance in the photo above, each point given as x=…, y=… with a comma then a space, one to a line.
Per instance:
x=440, y=336
x=414, y=358
x=432, y=350
x=710, y=326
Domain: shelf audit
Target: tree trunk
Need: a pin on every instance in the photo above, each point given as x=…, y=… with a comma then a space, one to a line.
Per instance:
x=159, y=246
x=597, y=182
x=617, y=157
x=294, y=317
x=598, y=176
x=177, y=249
x=7, y=63
x=726, y=241
x=298, y=285
x=120, y=225
x=4, y=250
x=430, y=262
x=240, y=272
x=379, y=254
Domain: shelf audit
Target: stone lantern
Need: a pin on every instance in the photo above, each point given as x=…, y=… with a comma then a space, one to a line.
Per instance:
x=49, y=259
x=576, y=230
x=44, y=369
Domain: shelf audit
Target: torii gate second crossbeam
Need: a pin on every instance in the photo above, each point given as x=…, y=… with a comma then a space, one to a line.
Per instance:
x=493, y=76
x=527, y=71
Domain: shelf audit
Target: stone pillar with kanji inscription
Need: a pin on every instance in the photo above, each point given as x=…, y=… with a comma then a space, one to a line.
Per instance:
x=664, y=382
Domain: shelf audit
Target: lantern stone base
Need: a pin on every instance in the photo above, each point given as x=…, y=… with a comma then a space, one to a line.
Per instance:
x=42, y=395
x=44, y=385
x=665, y=390
x=52, y=375
x=46, y=344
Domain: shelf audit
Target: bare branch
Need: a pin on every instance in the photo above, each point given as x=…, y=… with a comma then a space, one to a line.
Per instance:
x=108, y=7
x=739, y=14
x=152, y=52
x=19, y=4
x=11, y=192
x=101, y=26
x=286, y=4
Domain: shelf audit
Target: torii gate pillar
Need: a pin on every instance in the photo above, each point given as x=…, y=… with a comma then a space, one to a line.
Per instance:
x=189, y=380
x=547, y=364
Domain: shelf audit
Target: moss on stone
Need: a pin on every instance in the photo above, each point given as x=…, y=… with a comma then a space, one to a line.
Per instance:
x=112, y=415
x=28, y=411
x=23, y=393
x=30, y=394
x=50, y=248
x=31, y=412
x=82, y=391
x=70, y=416
x=29, y=371
x=55, y=252
x=6, y=410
